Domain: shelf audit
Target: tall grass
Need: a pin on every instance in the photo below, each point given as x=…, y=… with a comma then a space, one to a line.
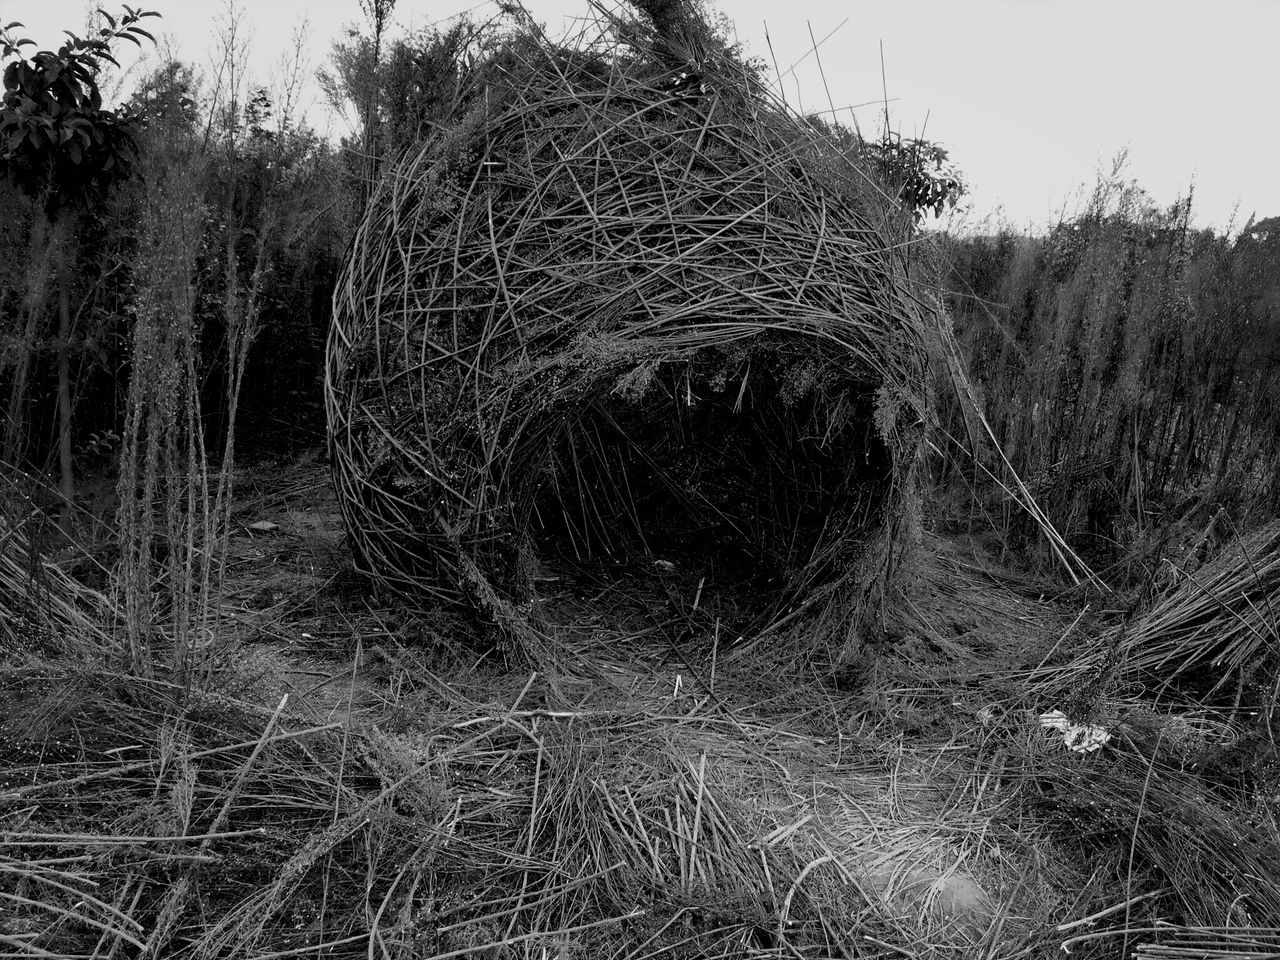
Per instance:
x=164, y=517
x=1127, y=364
x=216, y=215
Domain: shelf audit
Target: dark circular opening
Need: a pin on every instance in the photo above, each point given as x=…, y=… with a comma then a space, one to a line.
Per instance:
x=758, y=480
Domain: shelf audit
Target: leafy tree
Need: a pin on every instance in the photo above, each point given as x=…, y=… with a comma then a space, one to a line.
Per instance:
x=921, y=171
x=60, y=146
x=57, y=140
x=167, y=96
x=397, y=91
x=357, y=62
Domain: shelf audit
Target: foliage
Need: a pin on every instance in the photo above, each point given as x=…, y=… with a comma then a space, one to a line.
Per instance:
x=56, y=138
x=58, y=145
x=398, y=92
x=275, y=209
x=917, y=173
x=236, y=204
x=921, y=171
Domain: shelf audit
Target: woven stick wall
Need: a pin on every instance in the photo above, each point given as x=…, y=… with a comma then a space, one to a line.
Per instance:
x=620, y=310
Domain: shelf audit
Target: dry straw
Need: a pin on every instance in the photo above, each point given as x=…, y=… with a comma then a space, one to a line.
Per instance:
x=1217, y=626
x=622, y=309
x=621, y=826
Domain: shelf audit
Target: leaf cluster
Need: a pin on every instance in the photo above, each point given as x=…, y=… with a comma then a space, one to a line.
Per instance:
x=57, y=141
x=921, y=170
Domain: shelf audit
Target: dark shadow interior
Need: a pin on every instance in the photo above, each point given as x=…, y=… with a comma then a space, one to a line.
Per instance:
x=754, y=487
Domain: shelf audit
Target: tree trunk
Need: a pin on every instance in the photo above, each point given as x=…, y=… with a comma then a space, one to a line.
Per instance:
x=66, y=480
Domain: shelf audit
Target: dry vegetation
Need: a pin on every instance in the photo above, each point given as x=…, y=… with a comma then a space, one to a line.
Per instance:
x=1127, y=366
x=342, y=777
x=221, y=736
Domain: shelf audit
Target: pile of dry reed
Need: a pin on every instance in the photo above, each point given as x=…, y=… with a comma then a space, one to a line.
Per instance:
x=622, y=309
x=1217, y=628
x=1232, y=942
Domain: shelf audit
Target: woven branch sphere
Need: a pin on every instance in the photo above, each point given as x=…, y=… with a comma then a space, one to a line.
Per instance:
x=621, y=312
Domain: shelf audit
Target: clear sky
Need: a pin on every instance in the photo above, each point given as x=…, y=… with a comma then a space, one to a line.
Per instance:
x=1032, y=97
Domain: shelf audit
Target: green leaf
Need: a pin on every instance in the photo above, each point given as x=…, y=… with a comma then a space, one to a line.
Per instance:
x=10, y=26
x=143, y=32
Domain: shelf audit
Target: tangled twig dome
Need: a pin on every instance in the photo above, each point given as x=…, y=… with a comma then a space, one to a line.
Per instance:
x=620, y=310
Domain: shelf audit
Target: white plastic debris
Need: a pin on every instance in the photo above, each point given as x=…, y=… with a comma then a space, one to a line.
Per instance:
x=1078, y=737
x=263, y=526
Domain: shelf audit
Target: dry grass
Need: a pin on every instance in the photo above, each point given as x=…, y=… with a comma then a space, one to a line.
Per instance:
x=1216, y=626
x=42, y=608
x=1212, y=943
x=384, y=808
x=683, y=800
x=620, y=826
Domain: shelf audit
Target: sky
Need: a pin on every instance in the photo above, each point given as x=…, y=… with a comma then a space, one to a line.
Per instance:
x=1031, y=97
